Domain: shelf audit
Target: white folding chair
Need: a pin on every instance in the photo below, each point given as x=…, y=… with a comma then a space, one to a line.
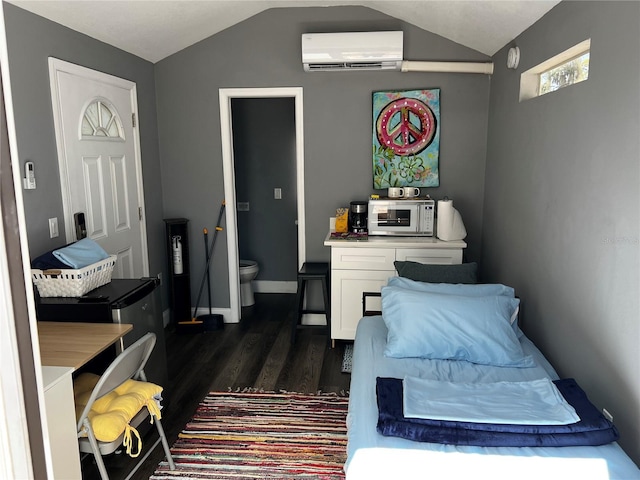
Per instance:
x=128, y=365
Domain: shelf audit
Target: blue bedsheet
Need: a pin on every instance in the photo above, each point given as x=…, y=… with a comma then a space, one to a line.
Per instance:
x=371, y=455
x=592, y=429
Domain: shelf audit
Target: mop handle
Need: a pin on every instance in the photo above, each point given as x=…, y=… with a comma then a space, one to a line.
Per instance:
x=215, y=233
x=206, y=244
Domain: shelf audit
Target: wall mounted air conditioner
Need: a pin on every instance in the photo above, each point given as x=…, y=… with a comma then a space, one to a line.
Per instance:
x=322, y=52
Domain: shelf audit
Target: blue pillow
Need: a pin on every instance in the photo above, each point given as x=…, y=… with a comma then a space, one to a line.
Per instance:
x=453, y=327
x=468, y=290
x=465, y=289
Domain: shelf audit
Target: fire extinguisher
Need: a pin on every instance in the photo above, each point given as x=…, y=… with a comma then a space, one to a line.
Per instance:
x=177, y=254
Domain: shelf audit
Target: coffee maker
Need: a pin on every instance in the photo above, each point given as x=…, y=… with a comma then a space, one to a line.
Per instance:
x=358, y=217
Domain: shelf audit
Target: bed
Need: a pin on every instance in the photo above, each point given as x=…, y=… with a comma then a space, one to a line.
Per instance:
x=371, y=455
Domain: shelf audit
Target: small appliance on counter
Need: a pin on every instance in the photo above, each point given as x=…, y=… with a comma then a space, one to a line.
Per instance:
x=401, y=217
x=358, y=217
x=449, y=223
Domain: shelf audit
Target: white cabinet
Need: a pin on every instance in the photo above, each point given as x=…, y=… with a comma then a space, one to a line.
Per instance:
x=346, y=298
x=365, y=266
x=362, y=258
x=430, y=255
x=61, y=422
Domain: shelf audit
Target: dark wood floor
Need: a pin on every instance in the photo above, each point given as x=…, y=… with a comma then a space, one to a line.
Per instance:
x=255, y=353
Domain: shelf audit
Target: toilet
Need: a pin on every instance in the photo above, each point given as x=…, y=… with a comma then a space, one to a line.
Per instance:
x=248, y=271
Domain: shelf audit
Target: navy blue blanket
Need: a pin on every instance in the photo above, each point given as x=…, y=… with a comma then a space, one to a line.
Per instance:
x=592, y=429
x=48, y=261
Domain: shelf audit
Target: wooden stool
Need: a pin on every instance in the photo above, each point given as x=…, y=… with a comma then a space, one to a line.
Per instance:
x=312, y=271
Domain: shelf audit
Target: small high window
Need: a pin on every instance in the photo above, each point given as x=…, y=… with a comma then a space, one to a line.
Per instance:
x=573, y=71
x=567, y=68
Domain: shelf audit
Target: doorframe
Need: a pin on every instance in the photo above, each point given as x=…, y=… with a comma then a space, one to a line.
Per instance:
x=226, y=133
x=56, y=65
x=18, y=458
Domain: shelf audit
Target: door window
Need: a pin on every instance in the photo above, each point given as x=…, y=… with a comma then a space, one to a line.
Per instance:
x=101, y=121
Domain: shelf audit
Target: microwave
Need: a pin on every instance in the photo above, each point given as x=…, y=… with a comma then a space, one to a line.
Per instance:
x=413, y=217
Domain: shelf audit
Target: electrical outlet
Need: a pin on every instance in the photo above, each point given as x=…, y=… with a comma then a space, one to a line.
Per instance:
x=277, y=193
x=242, y=206
x=53, y=227
x=607, y=415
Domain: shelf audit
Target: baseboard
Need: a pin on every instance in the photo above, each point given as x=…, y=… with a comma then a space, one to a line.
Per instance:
x=307, y=318
x=225, y=312
x=268, y=286
x=314, y=319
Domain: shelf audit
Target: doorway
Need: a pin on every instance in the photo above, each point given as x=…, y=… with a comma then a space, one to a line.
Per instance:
x=264, y=141
x=226, y=125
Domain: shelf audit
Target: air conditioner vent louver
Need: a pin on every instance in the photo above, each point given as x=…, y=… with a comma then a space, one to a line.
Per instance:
x=326, y=66
x=374, y=65
x=352, y=51
x=312, y=67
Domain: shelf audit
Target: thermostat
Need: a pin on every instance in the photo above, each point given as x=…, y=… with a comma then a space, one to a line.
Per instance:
x=29, y=179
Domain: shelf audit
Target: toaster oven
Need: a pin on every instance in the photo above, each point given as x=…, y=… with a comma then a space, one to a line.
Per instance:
x=410, y=217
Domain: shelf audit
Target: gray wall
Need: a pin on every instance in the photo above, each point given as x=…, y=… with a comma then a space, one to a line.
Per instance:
x=31, y=40
x=264, y=51
x=562, y=204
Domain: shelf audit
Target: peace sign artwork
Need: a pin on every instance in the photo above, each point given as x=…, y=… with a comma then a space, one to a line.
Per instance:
x=406, y=138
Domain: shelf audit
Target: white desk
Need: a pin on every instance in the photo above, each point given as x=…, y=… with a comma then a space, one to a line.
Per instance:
x=65, y=347
x=73, y=344
x=61, y=421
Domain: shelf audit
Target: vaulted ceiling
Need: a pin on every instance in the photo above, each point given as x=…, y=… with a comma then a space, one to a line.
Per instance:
x=155, y=29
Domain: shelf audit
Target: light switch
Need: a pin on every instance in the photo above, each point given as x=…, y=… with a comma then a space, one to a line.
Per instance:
x=277, y=193
x=53, y=227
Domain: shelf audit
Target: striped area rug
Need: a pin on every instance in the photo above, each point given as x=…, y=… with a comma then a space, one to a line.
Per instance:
x=262, y=436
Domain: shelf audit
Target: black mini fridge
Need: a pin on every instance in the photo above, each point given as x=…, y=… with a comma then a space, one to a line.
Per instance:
x=133, y=301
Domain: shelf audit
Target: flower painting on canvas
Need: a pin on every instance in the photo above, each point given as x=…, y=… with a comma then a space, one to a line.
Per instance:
x=406, y=138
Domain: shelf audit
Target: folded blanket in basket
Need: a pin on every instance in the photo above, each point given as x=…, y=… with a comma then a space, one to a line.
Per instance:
x=48, y=261
x=592, y=429
x=80, y=254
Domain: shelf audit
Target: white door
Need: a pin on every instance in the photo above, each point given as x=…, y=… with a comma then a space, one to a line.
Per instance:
x=99, y=158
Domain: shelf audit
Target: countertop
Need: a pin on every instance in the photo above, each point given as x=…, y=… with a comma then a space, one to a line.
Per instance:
x=385, y=241
x=72, y=344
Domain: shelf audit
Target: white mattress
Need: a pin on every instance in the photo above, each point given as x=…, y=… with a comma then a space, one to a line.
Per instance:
x=373, y=456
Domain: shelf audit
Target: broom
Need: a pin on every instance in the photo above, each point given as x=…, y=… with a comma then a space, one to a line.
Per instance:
x=194, y=320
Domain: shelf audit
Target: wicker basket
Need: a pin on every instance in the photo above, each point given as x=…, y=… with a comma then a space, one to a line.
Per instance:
x=73, y=283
